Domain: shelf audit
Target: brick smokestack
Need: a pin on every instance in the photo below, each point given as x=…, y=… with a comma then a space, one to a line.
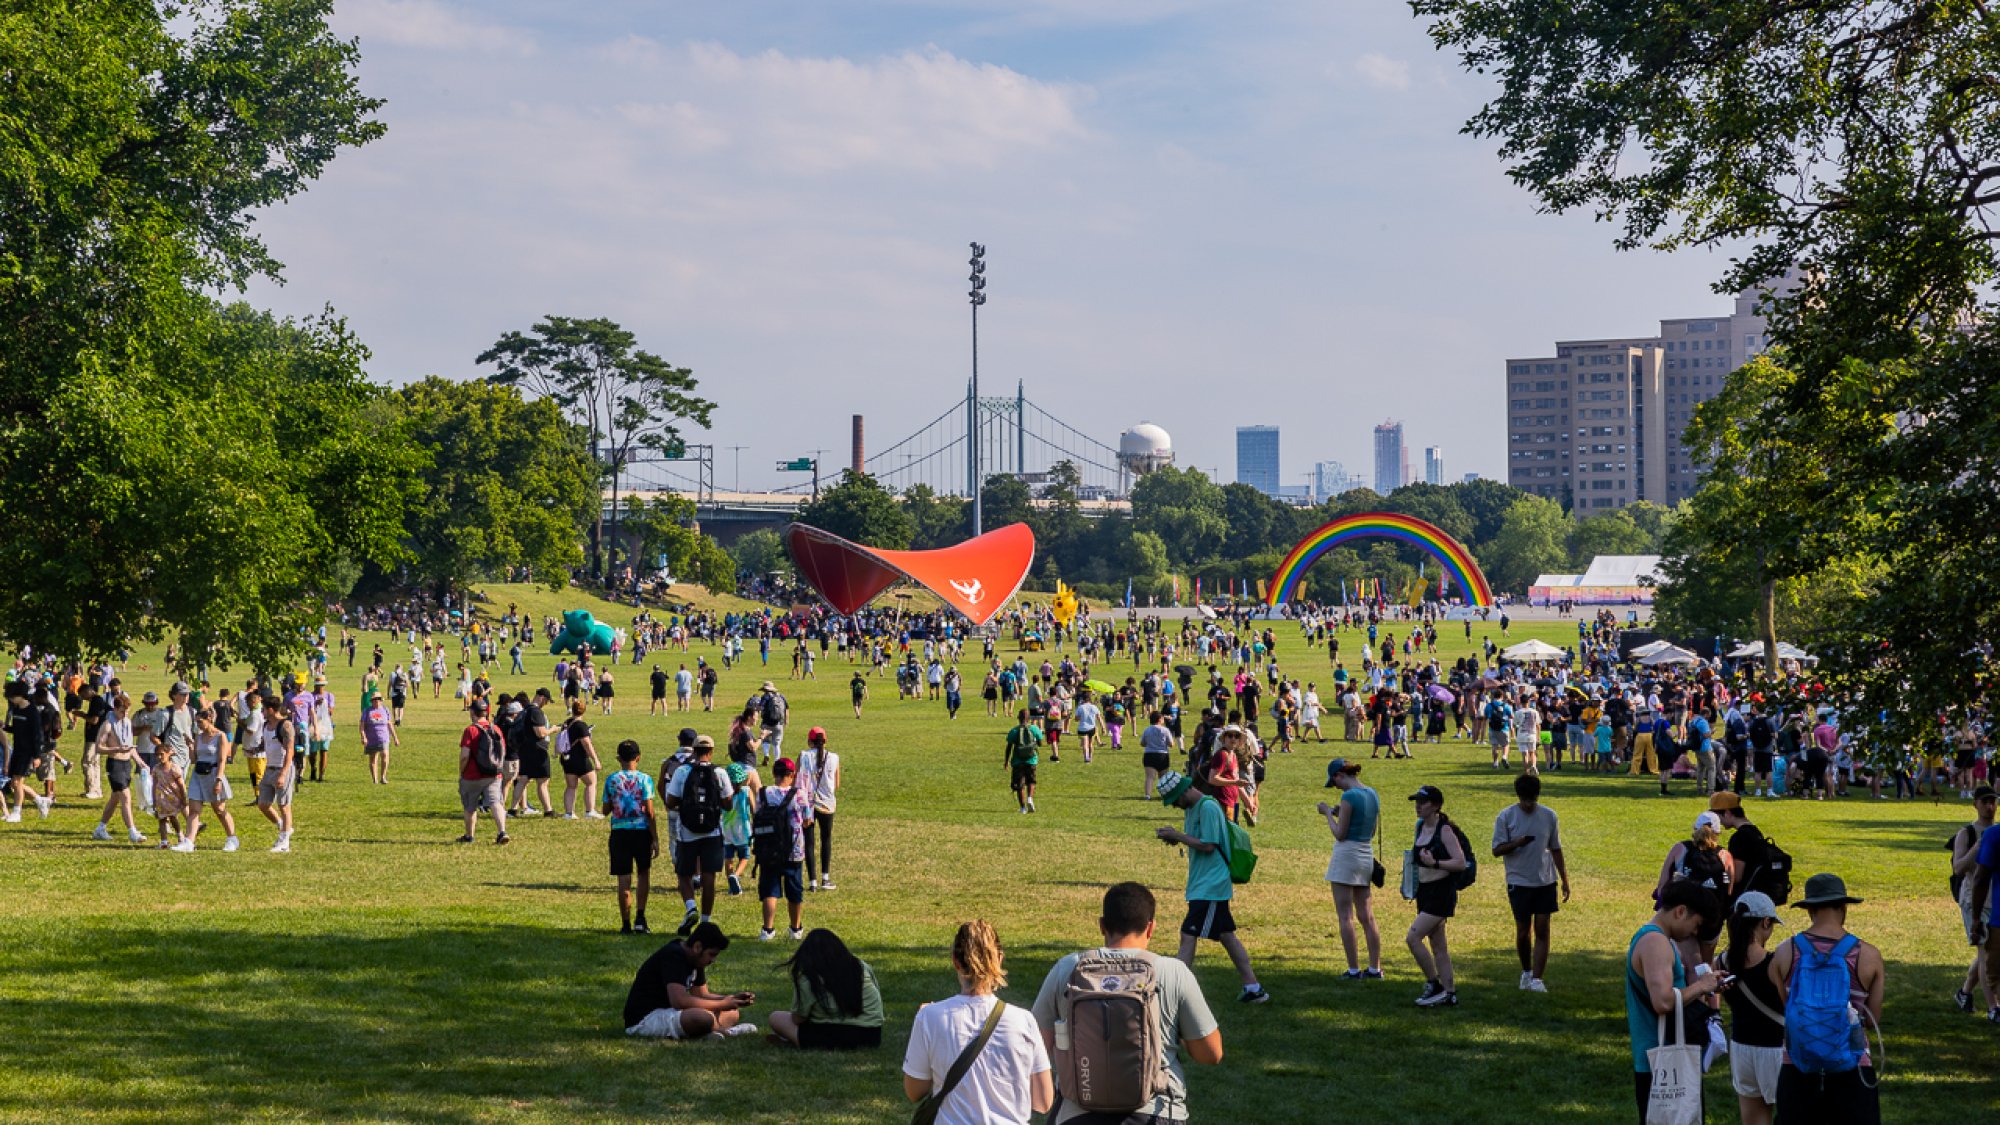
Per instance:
x=860, y=446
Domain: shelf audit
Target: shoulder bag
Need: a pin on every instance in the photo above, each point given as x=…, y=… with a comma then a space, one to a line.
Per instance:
x=927, y=1110
x=1379, y=874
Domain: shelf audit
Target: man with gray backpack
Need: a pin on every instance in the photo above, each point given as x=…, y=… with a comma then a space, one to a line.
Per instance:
x=1832, y=984
x=1111, y=1017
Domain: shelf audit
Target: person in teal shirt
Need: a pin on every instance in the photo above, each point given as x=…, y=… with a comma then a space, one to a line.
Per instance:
x=1205, y=834
x=1351, y=871
x=1653, y=971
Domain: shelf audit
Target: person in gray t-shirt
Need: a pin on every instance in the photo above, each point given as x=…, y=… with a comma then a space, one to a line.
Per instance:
x=1526, y=837
x=1127, y=926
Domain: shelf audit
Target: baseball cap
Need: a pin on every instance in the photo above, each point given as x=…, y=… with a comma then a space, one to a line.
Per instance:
x=180, y=688
x=1339, y=766
x=688, y=735
x=785, y=766
x=1724, y=800
x=1429, y=793
x=816, y=736
x=1984, y=793
x=1709, y=819
x=1172, y=785
x=512, y=709
x=703, y=742
x=479, y=706
x=1756, y=904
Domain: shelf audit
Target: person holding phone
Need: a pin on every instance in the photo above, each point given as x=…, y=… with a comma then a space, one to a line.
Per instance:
x=670, y=997
x=1527, y=839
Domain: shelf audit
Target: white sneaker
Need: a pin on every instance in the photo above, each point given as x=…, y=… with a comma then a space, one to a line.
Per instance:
x=1031, y=804
x=741, y=1029
x=826, y=883
x=136, y=836
x=42, y=804
x=766, y=935
x=231, y=844
x=13, y=816
x=595, y=815
x=100, y=833
x=1526, y=976
x=186, y=845
x=569, y=816
x=531, y=810
x=798, y=935
x=1535, y=985
x=284, y=844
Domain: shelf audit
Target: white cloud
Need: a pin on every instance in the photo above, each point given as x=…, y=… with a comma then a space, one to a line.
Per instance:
x=428, y=25
x=1383, y=72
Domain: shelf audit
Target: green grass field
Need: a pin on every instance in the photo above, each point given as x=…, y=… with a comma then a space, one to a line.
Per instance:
x=380, y=972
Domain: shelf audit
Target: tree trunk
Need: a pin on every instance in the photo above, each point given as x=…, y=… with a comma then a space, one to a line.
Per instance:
x=596, y=519
x=1767, y=616
x=614, y=522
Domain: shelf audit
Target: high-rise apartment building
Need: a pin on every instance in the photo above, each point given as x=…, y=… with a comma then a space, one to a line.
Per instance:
x=1600, y=421
x=1257, y=458
x=1331, y=478
x=1433, y=464
x=1392, y=462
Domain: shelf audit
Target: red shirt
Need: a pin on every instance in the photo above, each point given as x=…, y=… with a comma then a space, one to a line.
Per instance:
x=468, y=768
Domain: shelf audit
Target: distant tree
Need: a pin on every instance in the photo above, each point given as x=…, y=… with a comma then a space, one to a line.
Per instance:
x=1532, y=541
x=1608, y=533
x=1254, y=521
x=504, y=488
x=935, y=521
x=1003, y=500
x=761, y=553
x=1185, y=509
x=1436, y=504
x=1062, y=531
x=860, y=509
x=627, y=402
x=1485, y=502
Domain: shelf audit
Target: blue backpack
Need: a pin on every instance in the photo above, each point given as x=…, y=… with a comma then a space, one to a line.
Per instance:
x=1819, y=1032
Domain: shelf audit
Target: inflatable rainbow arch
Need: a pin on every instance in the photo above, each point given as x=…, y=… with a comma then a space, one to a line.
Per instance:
x=1450, y=553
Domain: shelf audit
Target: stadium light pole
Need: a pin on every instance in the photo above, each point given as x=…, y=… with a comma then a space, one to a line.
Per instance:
x=978, y=295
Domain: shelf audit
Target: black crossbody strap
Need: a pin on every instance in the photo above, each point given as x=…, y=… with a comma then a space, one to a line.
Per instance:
x=927, y=1111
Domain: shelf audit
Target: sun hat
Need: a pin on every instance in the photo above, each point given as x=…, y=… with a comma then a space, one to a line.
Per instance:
x=1724, y=800
x=769, y=686
x=1339, y=766
x=150, y=697
x=1172, y=785
x=1825, y=890
x=1756, y=904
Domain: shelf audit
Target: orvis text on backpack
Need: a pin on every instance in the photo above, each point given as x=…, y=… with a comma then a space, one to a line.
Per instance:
x=1109, y=1056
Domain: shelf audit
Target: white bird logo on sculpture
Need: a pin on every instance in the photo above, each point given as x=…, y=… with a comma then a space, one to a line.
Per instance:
x=971, y=591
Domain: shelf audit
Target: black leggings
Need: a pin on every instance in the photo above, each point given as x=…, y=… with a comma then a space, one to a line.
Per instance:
x=823, y=821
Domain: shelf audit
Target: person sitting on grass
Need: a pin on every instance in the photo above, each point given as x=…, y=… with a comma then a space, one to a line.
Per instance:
x=836, y=1003
x=669, y=998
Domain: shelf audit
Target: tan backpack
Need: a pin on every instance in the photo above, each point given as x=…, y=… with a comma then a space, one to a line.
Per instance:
x=1109, y=1057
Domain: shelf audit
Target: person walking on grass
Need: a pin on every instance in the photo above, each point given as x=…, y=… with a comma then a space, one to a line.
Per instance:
x=281, y=770
x=1204, y=832
x=1527, y=840
x=1756, y=1027
x=1964, y=869
x=836, y=1002
x=1656, y=977
x=319, y=727
x=778, y=840
x=857, y=692
x=1156, y=747
x=1351, y=870
x=1528, y=732
x=207, y=784
x=1126, y=924
x=119, y=749
x=1440, y=856
x=635, y=834
x=1984, y=898
x=378, y=734
x=1815, y=1084
x=699, y=793
x=670, y=998
x=683, y=689
x=579, y=763
x=482, y=756
x=1008, y=1078
x=1024, y=750
x=820, y=768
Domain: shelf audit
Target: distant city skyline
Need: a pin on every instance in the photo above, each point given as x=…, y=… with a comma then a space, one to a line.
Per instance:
x=1392, y=458
x=1257, y=458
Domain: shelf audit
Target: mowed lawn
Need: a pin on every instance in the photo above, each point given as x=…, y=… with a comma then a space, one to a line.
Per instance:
x=381, y=972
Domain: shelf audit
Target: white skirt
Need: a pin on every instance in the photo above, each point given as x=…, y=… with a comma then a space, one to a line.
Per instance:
x=1353, y=863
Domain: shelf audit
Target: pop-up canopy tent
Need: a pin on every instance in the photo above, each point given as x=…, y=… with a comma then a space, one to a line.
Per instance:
x=975, y=577
x=1533, y=652
x=1786, y=651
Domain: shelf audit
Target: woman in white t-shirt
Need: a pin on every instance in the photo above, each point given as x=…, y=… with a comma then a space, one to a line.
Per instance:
x=1009, y=1080
x=820, y=768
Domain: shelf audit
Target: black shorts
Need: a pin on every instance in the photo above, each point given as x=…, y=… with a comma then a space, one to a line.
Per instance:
x=630, y=848
x=576, y=765
x=775, y=880
x=118, y=773
x=22, y=763
x=1024, y=776
x=814, y=1036
x=1761, y=761
x=1106, y=1118
x=1439, y=899
x=1530, y=901
x=535, y=765
x=1154, y=761
x=1208, y=918
x=703, y=856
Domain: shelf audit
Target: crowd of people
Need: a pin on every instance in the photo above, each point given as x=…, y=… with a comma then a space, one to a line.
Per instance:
x=749, y=816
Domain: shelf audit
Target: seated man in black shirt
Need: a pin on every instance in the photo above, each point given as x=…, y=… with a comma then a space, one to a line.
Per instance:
x=670, y=997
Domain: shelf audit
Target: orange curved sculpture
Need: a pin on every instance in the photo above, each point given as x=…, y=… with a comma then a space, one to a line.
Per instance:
x=975, y=577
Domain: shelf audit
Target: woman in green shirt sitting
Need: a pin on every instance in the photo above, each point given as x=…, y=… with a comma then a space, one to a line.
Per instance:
x=836, y=1004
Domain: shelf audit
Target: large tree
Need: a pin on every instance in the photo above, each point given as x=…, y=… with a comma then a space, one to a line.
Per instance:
x=1532, y=541
x=505, y=487
x=627, y=402
x=860, y=509
x=1856, y=142
x=1185, y=509
x=165, y=463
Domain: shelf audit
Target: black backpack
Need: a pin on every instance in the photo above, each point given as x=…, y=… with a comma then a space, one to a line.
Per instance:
x=1463, y=879
x=489, y=754
x=771, y=831
x=773, y=711
x=1706, y=868
x=701, y=799
x=1774, y=875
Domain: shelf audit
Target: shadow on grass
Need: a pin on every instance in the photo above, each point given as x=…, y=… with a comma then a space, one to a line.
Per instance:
x=462, y=1023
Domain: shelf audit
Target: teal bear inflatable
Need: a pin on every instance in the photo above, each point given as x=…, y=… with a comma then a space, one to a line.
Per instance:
x=580, y=629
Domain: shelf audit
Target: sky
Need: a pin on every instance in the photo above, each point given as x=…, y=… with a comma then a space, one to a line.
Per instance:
x=1198, y=214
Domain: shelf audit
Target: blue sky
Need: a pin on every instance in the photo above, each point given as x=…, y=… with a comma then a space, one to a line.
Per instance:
x=1200, y=214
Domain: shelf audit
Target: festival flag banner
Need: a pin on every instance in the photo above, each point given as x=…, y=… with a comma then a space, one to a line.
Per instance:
x=1260, y=589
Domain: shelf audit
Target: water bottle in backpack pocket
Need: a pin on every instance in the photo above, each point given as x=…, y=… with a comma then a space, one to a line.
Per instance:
x=1109, y=1055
